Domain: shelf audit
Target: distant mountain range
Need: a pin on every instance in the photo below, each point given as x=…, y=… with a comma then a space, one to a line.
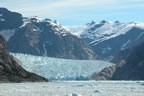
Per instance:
x=108, y=38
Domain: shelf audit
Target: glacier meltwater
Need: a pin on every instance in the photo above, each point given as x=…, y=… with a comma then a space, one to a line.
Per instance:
x=61, y=69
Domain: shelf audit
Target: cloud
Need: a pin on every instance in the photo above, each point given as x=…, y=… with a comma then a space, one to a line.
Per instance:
x=73, y=9
x=65, y=5
x=57, y=7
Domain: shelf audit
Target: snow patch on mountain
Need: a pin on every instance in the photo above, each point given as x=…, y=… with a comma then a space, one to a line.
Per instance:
x=61, y=69
x=124, y=46
x=76, y=30
x=139, y=36
x=45, y=51
x=140, y=25
x=7, y=34
x=107, y=31
x=2, y=20
x=55, y=26
x=25, y=23
x=28, y=20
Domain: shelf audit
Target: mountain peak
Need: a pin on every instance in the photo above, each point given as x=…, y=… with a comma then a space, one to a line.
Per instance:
x=35, y=19
x=104, y=21
x=3, y=9
x=92, y=22
x=117, y=21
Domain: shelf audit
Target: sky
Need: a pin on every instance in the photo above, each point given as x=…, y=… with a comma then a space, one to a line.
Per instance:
x=78, y=12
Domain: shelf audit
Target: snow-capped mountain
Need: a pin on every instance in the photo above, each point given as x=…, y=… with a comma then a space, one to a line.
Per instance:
x=61, y=69
x=108, y=38
x=43, y=37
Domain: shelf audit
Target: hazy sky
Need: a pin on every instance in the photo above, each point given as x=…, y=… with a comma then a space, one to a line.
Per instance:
x=77, y=12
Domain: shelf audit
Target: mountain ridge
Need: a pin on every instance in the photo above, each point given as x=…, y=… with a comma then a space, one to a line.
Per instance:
x=103, y=37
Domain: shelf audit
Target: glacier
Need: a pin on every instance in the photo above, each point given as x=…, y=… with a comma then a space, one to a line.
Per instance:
x=60, y=69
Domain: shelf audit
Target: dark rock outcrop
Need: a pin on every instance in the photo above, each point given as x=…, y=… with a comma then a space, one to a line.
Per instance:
x=11, y=71
x=106, y=73
x=134, y=67
x=122, y=56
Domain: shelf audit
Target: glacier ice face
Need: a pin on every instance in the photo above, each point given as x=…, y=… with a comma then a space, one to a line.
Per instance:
x=61, y=69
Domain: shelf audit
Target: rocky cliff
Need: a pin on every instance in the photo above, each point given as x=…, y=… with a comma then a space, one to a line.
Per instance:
x=10, y=69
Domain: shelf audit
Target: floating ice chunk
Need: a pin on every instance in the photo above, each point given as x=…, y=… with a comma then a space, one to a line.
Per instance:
x=74, y=94
x=97, y=91
x=25, y=23
x=35, y=29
